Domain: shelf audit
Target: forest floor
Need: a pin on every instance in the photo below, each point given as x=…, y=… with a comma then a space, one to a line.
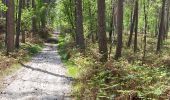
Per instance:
x=129, y=77
x=43, y=78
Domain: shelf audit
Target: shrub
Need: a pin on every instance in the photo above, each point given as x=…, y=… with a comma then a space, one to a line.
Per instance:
x=32, y=48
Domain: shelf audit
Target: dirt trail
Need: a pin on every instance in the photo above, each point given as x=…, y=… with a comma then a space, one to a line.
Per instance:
x=43, y=78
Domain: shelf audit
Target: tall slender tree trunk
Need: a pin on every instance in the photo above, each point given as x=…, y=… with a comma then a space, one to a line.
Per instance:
x=18, y=28
x=132, y=26
x=16, y=10
x=136, y=28
x=79, y=25
x=161, y=28
x=28, y=3
x=10, y=25
x=145, y=30
x=5, y=15
x=102, y=30
x=91, y=23
x=34, y=23
x=111, y=22
x=23, y=36
x=167, y=20
x=75, y=21
x=119, y=29
x=43, y=19
x=156, y=26
x=71, y=17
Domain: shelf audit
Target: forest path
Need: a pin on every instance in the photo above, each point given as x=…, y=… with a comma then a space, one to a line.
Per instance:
x=43, y=78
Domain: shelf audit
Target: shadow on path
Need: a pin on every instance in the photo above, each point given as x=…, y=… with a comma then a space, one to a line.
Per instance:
x=40, y=70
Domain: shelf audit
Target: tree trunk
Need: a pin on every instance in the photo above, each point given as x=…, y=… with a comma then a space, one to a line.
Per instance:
x=145, y=30
x=111, y=23
x=102, y=30
x=18, y=28
x=167, y=20
x=28, y=3
x=119, y=29
x=79, y=25
x=91, y=23
x=132, y=27
x=136, y=28
x=161, y=28
x=10, y=25
x=34, y=23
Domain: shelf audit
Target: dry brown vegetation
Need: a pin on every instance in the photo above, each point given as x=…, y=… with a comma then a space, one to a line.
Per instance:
x=7, y=63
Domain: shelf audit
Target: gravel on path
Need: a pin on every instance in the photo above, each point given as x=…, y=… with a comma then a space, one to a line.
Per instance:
x=43, y=78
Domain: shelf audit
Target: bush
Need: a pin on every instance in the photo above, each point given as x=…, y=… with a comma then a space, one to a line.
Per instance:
x=32, y=48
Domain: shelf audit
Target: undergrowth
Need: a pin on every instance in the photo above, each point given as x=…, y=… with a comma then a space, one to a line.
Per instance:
x=10, y=63
x=130, y=77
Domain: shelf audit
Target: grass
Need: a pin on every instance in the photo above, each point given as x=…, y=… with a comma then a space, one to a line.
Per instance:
x=10, y=64
x=72, y=70
x=32, y=48
x=10, y=70
x=71, y=66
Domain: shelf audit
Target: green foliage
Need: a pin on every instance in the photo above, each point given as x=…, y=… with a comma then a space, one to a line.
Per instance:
x=123, y=78
x=9, y=71
x=2, y=7
x=64, y=53
x=149, y=77
x=116, y=78
x=32, y=48
x=26, y=18
x=43, y=13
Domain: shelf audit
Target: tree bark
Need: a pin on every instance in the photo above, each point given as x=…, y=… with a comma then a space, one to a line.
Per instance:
x=79, y=25
x=136, y=28
x=91, y=23
x=167, y=20
x=132, y=27
x=34, y=23
x=161, y=28
x=102, y=30
x=145, y=30
x=10, y=25
x=18, y=28
x=119, y=29
x=23, y=36
x=111, y=23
